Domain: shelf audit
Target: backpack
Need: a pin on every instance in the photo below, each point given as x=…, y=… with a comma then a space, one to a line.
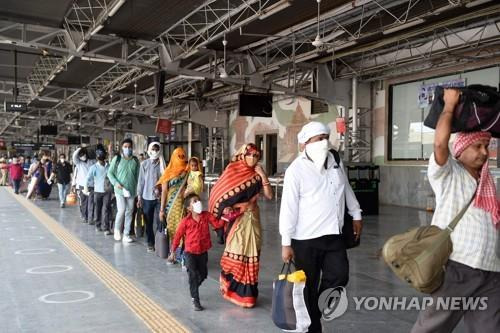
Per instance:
x=347, y=230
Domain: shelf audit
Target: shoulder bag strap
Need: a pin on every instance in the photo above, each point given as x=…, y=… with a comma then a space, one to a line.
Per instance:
x=457, y=218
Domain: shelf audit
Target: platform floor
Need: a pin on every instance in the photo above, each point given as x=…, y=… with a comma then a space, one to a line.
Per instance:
x=88, y=305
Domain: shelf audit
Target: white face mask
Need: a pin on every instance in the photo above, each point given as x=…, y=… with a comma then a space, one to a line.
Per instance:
x=197, y=207
x=83, y=158
x=318, y=151
x=62, y=160
x=153, y=154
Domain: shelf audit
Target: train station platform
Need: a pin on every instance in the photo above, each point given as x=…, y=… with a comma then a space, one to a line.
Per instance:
x=59, y=274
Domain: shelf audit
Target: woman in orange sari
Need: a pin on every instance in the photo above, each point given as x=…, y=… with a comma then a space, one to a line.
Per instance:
x=238, y=188
x=173, y=183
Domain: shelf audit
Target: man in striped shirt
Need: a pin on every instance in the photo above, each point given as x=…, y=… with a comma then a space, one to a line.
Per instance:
x=474, y=266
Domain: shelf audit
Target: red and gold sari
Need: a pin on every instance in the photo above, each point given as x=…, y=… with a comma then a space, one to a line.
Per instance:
x=239, y=188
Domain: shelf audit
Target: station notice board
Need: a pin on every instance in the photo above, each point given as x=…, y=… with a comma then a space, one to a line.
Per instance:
x=163, y=126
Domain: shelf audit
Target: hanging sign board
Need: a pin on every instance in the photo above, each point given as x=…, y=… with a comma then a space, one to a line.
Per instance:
x=25, y=145
x=163, y=126
x=340, y=124
x=426, y=91
x=47, y=146
x=15, y=106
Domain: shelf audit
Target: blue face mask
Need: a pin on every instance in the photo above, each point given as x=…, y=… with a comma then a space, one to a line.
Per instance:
x=127, y=152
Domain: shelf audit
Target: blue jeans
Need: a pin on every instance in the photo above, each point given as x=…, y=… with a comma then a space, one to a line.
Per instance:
x=125, y=208
x=63, y=191
x=151, y=209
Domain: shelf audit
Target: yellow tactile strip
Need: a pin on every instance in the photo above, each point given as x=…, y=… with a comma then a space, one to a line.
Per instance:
x=152, y=314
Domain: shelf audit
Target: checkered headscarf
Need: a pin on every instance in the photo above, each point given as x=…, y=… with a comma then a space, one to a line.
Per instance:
x=486, y=194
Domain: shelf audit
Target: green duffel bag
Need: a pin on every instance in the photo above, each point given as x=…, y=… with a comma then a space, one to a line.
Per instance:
x=419, y=255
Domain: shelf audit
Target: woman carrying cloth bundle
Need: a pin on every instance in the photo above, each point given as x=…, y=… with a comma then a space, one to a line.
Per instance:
x=238, y=188
x=173, y=183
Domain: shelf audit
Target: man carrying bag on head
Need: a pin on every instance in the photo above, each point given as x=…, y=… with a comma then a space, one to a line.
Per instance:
x=473, y=268
x=315, y=193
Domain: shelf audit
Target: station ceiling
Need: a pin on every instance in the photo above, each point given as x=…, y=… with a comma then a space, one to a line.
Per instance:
x=92, y=63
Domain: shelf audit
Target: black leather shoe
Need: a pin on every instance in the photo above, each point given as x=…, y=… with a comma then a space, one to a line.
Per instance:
x=196, y=305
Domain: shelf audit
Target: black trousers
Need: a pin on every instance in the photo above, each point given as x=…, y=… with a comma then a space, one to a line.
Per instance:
x=197, y=270
x=102, y=203
x=17, y=185
x=151, y=210
x=86, y=204
x=324, y=260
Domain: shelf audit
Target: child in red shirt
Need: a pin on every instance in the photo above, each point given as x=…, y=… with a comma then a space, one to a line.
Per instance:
x=195, y=231
x=16, y=174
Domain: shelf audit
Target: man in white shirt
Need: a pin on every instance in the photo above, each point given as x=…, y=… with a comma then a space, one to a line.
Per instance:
x=474, y=266
x=315, y=193
x=82, y=164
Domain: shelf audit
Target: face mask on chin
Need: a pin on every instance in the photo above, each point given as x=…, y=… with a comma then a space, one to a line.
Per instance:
x=317, y=152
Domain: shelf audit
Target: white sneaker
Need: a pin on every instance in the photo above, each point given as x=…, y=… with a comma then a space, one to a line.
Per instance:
x=117, y=235
x=128, y=239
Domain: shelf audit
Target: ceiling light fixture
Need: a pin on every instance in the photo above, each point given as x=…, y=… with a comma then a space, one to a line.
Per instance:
x=135, y=96
x=116, y=7
x=81, y=46
x=96, y=29
x=275, y=8
x=104, y=60
x=223, y=72
x=403, y=26
x=476, y=3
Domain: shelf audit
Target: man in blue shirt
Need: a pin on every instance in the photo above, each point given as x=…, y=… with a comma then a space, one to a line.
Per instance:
x=102, y=190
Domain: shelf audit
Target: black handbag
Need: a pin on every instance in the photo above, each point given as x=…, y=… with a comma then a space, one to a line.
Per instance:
x=139, y=223
x=161, y=241
x=347, y=230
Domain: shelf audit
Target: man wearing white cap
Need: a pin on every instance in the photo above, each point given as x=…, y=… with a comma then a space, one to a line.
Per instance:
x=315, y=194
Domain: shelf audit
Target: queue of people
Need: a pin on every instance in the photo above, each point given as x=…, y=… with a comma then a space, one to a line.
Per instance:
x=169, y=196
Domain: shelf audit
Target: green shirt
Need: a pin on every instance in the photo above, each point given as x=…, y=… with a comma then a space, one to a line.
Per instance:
x=126, y=174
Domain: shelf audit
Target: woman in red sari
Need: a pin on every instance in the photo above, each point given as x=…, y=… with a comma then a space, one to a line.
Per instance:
x=238, y=189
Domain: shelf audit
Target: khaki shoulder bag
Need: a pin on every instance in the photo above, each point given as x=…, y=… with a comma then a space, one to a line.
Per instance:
x=419, y=256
